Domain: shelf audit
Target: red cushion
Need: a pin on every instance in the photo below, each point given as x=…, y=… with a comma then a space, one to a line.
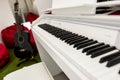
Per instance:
x=4, y=55
x=31, y=17
x=8, y=35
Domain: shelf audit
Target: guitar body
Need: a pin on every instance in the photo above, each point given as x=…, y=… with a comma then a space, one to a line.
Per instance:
x=23, y=48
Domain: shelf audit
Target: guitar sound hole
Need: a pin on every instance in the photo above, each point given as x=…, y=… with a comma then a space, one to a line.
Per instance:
x=21, y=40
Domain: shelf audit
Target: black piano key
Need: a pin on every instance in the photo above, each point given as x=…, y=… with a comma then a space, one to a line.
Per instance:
x=91, y=47
x=66, y=36
x=97, y=48
x=56, y=33
x=81, y=41
x=62, y=34
x=102, y=51
x=74, y=38
x=86, y=44
x=119, y=72
x=113, y=62
x=54, y=30
x=43, y=25
x=109, y=57
x=77, y=40
x=85, y=41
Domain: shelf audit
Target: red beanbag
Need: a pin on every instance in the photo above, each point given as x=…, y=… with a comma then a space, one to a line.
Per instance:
x=8, y=35
x=4, y=55
x=31, y=17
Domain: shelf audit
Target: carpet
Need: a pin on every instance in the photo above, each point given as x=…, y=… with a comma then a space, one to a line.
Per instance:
x=12, y=64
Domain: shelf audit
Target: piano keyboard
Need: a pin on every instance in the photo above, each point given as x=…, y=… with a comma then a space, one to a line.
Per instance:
x=97, y=60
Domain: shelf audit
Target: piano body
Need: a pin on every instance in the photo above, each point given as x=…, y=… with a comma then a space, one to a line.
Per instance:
x=84, y=47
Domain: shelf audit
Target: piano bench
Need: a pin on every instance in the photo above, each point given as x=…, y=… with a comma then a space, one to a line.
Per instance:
x=36, y=71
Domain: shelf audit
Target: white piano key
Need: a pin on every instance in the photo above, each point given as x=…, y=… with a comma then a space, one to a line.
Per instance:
x=95, y=61
x=85, y=61
x=88, y=66
x=94, y=67
x=110, y=76
x=82, y=59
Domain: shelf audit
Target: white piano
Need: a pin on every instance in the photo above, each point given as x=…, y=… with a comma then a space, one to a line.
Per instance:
x=84, y=47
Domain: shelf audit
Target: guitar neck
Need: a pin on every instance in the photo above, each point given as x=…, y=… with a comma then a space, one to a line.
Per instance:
x=17, y=17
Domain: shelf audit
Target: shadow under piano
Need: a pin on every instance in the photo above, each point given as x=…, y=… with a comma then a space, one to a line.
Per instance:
x=79, y=46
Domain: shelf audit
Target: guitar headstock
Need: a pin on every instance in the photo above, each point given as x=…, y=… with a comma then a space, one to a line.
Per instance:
x=16, y=10
x=16, y=6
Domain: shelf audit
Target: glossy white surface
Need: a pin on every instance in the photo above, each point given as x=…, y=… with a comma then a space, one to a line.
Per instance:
x=36, y=71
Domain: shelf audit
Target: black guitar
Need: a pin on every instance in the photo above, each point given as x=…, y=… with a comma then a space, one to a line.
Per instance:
x=23, y=48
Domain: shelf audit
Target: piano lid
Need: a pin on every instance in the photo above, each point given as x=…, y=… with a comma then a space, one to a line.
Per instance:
x=83, y=9
x=86, y=14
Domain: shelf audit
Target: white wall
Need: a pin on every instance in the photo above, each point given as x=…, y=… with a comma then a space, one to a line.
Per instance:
x=6, y=15
x=69, y=3
x=25, y=5
x=42, y=5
